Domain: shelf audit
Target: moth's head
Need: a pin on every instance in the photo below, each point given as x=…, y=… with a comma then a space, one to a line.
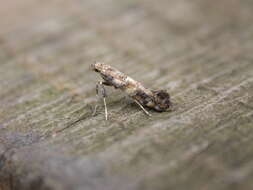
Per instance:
x=162, y=100
x=96, y=66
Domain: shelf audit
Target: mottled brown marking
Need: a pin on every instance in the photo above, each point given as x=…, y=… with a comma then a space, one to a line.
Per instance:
x=158, y=100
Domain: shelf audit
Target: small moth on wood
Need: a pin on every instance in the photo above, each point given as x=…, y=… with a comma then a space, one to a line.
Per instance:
x=158, y=100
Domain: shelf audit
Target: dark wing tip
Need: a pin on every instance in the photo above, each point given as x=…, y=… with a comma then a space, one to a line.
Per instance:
x=162, y=99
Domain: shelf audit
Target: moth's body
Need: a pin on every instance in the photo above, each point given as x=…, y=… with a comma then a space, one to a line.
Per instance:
x=158, y=100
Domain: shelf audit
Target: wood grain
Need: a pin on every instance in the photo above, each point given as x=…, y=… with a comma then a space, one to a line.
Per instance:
x=200, y=51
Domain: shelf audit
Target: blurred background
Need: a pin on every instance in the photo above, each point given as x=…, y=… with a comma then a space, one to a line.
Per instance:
x=200, y=51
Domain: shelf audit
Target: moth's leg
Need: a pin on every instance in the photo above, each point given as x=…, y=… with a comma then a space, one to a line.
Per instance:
x=146, y=112
x=100, y=90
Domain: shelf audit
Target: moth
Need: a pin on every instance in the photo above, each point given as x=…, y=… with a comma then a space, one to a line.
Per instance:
x=158, y=100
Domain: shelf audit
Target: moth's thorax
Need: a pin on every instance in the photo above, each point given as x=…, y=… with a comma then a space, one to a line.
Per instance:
x=110, y=72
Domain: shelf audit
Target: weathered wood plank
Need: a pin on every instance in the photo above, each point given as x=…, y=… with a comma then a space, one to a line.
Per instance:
x=200, y=51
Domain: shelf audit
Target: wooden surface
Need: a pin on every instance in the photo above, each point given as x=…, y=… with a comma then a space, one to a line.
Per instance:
x=200, y=51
